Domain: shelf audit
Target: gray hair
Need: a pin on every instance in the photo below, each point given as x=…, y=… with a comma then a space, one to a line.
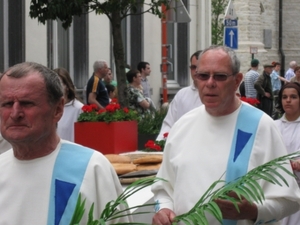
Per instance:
x=53, y=83
x=99, y=64
x=293, y=64
x=235, y=62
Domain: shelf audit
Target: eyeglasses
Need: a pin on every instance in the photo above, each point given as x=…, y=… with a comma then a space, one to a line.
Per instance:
x=193, y=67
x=216, y=77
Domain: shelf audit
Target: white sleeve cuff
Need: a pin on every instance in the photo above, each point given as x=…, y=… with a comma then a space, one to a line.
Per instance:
x=275, y=209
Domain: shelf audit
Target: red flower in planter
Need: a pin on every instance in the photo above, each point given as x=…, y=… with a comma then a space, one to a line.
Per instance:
x=89, y=108
x=112, y=107
x=126, y=110
x=111, y=113
x=251, y=101
x=153, y=146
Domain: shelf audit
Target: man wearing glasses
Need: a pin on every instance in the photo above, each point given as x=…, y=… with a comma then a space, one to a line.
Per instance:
x=222, y=139
x=184, y=101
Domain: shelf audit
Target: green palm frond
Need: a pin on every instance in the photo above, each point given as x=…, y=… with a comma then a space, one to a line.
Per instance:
x=79, y=211
x=112, y=210
x=246, y=187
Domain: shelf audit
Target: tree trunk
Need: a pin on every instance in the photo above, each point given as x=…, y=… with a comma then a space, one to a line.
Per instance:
x=118, y=50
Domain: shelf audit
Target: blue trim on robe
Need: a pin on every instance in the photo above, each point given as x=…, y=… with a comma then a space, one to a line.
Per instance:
x=67, y=177
x=242, y=144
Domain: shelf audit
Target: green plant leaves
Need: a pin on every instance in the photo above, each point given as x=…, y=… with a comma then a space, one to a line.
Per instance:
x=151, y=123
x=245, y=187
x=112, y=210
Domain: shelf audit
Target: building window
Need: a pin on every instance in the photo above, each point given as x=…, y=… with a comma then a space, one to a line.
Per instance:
x=69, y=48
x=80, y=50
x=16, y=31
x=177, y=36
x=58, y=45
x=3, y=35
x=132, y=35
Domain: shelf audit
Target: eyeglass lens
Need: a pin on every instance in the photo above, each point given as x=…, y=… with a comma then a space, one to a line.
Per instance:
x=216, y=77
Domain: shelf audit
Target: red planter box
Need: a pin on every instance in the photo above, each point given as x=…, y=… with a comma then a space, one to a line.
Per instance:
x=107, y=138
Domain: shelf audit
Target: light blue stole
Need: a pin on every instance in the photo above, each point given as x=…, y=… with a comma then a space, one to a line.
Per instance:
x=241, y=147
x=68, y=173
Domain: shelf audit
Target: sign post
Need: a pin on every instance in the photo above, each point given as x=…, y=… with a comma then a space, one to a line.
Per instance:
x=231, y=27
x=253, y=50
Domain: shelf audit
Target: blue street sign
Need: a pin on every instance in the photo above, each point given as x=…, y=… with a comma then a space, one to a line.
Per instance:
x=231, y=37
x=230, y=23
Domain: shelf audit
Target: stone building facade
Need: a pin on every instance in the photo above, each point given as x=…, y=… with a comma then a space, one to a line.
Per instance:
x=260, y=25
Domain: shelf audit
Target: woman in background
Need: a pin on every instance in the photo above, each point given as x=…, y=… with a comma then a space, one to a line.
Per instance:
x=136, y=100
x=72, y=109
x=289, y=126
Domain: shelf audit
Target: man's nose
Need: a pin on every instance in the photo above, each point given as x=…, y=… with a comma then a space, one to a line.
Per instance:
x=211, y=81
x=16, y=111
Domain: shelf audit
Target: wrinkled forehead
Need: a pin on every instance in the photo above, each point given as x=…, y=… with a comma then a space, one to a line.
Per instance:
x=214, y=58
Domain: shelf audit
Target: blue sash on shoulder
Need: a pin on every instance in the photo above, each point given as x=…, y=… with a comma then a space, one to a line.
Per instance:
x=241, y=147
x=68, y=173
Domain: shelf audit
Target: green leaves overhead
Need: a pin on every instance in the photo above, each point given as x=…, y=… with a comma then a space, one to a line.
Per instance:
x=58, y=9
x=115, y=10
x=64, y=10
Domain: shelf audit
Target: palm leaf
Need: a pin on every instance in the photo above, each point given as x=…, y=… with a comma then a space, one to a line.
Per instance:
x=79, y=211
x=111, y=210
x=246, y=187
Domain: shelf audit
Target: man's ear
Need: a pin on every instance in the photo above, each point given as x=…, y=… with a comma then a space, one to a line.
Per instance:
x=59, y=109
x=238, y=79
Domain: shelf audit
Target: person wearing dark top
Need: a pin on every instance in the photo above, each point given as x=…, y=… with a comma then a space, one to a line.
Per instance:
x=242, y=89
x=263, y=86
x=96, y=92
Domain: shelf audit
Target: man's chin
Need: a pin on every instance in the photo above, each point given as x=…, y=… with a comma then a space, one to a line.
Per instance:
x=211, y=104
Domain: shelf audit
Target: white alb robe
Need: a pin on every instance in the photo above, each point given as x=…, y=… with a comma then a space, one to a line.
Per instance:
x=196, y=155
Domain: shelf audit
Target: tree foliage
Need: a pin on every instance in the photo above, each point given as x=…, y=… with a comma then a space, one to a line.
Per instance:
x=217, y=25
x=115, y=10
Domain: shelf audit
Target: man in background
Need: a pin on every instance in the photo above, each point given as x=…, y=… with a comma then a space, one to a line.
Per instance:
x=264, y=89
x=290, y=72
x=184, y=101
x=145, y=70
x=96, y=92
x=250, y=78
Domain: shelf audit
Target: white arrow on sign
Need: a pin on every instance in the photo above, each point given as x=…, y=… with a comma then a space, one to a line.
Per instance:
x=231, y=34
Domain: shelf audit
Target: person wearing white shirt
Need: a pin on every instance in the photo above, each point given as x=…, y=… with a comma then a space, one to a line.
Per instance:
x=222, y=139
x=145, y=70
x=184, y=101
x=72, y=108
x=290, y=72
x=289, y=126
